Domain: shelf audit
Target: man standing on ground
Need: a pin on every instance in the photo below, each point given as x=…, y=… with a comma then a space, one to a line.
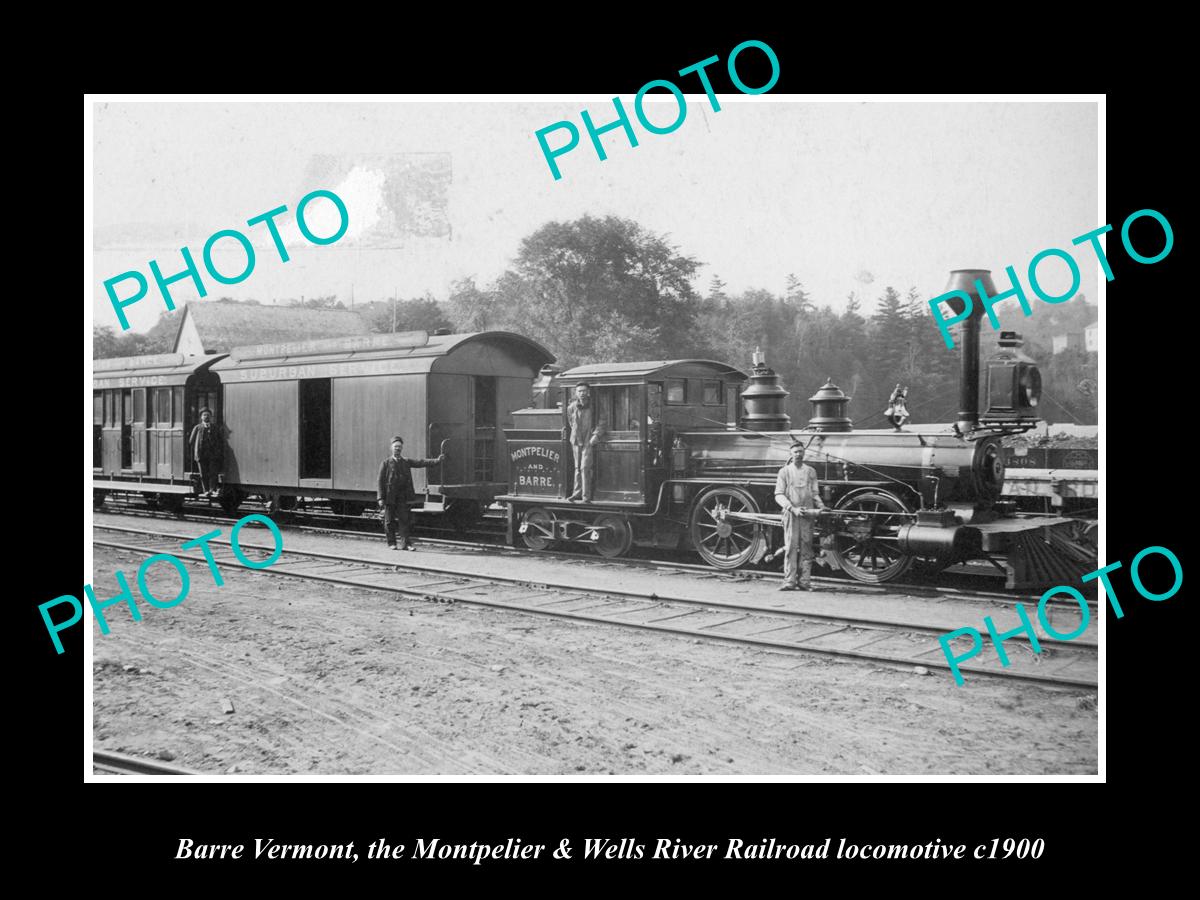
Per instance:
x=395, y=492
x=585, y=434
x=798, y=494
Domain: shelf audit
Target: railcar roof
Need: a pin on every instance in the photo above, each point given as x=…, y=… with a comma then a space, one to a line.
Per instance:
x=646, y=369
x=165, y=368
x=419, y=347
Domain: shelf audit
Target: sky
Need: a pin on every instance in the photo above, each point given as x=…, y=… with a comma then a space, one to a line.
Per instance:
x=848, y=196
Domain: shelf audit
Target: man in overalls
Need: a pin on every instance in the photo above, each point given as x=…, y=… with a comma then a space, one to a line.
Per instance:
x=798, y=494
x=585, y=431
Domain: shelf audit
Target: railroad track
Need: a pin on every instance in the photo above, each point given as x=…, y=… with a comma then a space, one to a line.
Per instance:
x=1070, y=664
x=121, y=764
x=844, y=584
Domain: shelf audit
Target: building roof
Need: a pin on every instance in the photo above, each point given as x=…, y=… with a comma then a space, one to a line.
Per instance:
x=225, y=324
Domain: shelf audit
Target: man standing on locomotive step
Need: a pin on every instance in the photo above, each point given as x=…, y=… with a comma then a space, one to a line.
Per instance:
x=395, y=492
x=585, y=434
x=205, y=444
x=798, y=494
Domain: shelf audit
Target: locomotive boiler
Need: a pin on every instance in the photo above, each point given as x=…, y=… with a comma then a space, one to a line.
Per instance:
x=690, y=449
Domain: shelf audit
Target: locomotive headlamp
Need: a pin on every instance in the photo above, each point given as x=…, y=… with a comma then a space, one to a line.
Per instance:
x=1014, y=384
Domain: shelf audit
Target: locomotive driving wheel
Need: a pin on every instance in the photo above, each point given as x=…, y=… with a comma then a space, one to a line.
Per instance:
x=538, y=532
x=616, y=537
x=866, y=546
x=724, y=540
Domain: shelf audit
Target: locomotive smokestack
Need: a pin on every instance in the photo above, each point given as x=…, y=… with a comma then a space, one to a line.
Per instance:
x=964, y=280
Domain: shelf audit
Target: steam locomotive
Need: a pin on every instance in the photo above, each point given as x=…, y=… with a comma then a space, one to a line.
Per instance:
x=688, y=459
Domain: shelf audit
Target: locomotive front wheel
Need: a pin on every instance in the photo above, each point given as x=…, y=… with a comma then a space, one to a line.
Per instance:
x=867, y=547
x=539, y=529
x=723, y=540
x=616, y=537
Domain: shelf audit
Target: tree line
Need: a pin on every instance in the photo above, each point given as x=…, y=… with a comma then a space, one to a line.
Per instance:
x=600, y=290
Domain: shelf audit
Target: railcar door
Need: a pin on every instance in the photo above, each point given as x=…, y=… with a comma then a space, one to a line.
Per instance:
x=483, y=444
x=97, y=429
x=137, y=433
x=160, y=428
x=619, y=453
x=126, y=430
x=201, y=398
x=111, y=451
x=658, y=439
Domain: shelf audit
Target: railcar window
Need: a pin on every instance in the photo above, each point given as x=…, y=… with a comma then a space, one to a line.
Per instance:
x=139, y=406
x=712, y=394
x=97, y=407
x=485, y=401
x=177, y=408
x=676, y=390
x=162, y=407
x=654, y=402
x=128, y=406
x=485, y=459
x=618, y=408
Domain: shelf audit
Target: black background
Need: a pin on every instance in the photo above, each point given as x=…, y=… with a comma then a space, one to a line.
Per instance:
x=1149, y=466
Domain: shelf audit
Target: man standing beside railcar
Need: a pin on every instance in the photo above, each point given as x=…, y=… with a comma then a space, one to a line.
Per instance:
x=585, y=430
x=798, y=494
x=395, y=492
x=205, y=444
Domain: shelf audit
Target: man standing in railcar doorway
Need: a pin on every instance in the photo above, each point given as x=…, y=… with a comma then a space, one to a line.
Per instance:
x=396, y=492
x=585, y=434
x=798, y=494
x=205, y=444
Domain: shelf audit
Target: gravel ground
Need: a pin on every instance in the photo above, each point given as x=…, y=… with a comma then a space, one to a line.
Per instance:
x=268, y=675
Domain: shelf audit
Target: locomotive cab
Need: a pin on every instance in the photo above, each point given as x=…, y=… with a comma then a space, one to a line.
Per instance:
x=640, y=409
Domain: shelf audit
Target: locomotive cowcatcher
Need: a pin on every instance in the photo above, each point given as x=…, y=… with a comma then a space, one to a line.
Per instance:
x=689, y=452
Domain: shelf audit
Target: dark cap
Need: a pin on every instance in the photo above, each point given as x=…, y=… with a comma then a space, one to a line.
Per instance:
x=397, y=438
x=204, y=410
x=798, y=443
